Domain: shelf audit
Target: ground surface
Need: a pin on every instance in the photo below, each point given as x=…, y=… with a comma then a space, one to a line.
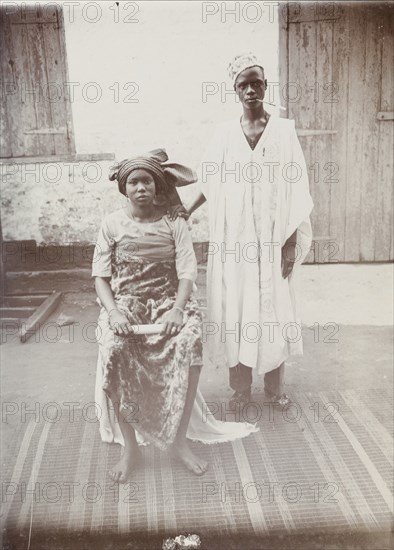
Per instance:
x=58, y=365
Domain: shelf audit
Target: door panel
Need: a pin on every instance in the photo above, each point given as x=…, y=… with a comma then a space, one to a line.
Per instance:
x=37, y=115
x=340, y=56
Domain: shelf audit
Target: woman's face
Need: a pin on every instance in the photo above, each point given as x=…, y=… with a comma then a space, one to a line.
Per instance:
x=140, y=187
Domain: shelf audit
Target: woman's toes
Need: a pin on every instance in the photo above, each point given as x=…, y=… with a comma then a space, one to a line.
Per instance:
x=193, y=463
x=200, y=470
x=124, y=468
x=203, y=466
x=116, y=476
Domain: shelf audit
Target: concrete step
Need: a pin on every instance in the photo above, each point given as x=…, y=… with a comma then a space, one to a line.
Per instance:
x=23, y=301
x=61, y=280
x=16, y=312
x=11, y=322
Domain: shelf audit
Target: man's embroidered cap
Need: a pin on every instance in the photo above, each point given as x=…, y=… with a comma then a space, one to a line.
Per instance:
x=241, y=62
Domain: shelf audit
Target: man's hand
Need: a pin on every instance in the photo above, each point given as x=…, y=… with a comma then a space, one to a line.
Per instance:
x=289, y=255
x=177, y=211
x=172, y=321
x=119, y=323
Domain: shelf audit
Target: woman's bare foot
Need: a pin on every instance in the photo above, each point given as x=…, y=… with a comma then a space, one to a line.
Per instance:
x=193, y=463
x=128, y=462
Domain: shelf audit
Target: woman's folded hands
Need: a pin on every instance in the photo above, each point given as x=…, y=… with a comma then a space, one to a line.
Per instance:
x=171, y=322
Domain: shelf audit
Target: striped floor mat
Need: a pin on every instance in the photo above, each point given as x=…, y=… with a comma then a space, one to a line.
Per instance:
x=324, y=463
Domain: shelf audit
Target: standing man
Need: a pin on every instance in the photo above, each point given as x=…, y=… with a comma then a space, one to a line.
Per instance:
x=254, y=177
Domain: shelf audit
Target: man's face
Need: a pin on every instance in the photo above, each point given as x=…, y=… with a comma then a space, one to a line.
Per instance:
x=250, y=86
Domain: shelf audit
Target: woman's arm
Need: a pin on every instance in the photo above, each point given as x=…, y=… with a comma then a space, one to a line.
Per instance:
x=117, y=320
x=186, y=268
x=104, y=292
x=185, y=288
x=173, y=319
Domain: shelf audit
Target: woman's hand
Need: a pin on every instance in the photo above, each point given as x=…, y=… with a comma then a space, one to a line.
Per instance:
x=178, y=211
x=119, y=323
x=172, y=321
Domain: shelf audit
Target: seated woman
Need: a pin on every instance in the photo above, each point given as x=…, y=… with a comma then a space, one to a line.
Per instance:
x=144, y=268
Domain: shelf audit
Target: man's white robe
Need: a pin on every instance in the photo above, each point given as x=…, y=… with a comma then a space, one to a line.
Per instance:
x=256, y=200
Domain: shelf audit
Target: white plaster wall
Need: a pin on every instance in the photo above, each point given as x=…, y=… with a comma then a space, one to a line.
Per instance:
x=172, y=53
x=59, y=202
x=169, y=52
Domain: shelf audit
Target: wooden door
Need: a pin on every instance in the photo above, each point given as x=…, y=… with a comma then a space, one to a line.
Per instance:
x=35, y=110
x=338, y=58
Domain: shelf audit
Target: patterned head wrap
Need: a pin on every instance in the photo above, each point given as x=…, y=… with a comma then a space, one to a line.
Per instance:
x=167, y=176
x=241, y=62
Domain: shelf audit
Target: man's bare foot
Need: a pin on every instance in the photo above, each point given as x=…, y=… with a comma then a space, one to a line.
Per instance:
x=193, y=463
x=128, y=462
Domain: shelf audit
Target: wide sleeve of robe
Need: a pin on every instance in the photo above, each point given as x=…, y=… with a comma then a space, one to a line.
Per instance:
x=298, y=199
